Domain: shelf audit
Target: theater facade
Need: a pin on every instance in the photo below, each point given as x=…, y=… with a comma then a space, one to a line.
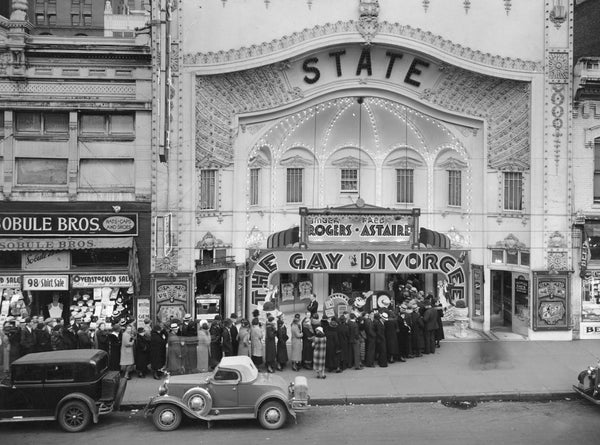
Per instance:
x=346, y=148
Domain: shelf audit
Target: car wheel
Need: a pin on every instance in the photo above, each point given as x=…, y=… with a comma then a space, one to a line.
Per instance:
x=74, y=416
x=198, y=400
x=166, y=417
x=272, y=415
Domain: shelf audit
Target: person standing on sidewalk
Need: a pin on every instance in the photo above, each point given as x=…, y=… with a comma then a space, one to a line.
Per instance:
x=308, y=333
x=430, y=318
x=319, y=346
x=243, y=338
x=370, y=341
x=439, y=334
x=282, y=338
x=417, y=325
x=270, y=344
x=296, y=352
x=354, y=338
x=202, y=353
x=216, y=350
x=158, y=349
x=256, y=343
x=344, y=338
x=380, y=342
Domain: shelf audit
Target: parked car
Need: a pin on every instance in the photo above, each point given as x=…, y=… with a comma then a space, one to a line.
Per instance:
x=73, y=387
x=234, y=390
x=588, y=383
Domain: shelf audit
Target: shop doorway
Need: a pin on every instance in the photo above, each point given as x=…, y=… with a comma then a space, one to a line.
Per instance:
x=510, y=302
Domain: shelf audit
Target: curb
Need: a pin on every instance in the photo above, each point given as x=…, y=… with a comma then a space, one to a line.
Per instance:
x=445, y=398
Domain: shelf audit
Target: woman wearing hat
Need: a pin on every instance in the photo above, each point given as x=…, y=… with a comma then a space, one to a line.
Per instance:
x=270, y=344
x=243, y=338
x=319, y=346
x=256, y=342
x=127, y=363
x=203, y=348
x=296, y=352
x=282, y=338
x=308, y=333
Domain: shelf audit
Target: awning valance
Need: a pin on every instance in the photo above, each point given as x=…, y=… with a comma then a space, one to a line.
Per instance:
x=284, y=238
x=433, y=239
x=7, y=244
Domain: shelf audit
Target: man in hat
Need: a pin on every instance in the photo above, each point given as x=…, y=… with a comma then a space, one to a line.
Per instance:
x=216, y=349
x=430, y=320
x=313, y=305
x=354, y=337
x=234, y=331
x=27, y=337
x=380, y=343
x=370, y=341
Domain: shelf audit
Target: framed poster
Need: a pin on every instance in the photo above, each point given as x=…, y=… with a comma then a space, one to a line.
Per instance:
x=551, y=301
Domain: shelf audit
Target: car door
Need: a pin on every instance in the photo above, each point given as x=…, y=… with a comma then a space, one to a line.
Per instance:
x=223, y=387
x=22, y=396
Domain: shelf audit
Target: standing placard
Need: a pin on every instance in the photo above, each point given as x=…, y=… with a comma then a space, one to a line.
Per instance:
x=551, y=301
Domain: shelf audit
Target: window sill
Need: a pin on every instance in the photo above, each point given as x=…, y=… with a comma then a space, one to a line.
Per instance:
x=41, y=137
x=106, y=138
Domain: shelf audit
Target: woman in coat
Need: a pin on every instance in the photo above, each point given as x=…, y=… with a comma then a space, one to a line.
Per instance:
x=282, y=338
x=308, y=333
x=319, y=347
x=270, y=344
x=344, y=339
x=126, y=361
x=332, y=360
x=114, y=348
x=256, y=344
x=243, y=338
x=203, y=348
x=158, y=350
x=174, y=349
x=296, y=332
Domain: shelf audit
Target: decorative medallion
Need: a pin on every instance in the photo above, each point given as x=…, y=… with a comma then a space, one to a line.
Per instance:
x=167, y=264
x=368, y=21
x=557, y=240
x=558, y=67
x=557, y=99
x=557, y=261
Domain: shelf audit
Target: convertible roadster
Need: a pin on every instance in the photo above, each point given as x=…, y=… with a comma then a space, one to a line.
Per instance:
x=234, y=390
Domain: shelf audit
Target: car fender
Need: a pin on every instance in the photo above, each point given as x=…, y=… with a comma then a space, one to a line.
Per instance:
x=274, y=395
x=79, y=396
x=170, y=400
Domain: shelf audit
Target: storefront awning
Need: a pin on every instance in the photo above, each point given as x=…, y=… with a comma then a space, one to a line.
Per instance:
x=433, y=239
x=8, y=244
x=284, y=238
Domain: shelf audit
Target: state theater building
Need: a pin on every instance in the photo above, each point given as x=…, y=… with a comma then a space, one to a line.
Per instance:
x=345, y=148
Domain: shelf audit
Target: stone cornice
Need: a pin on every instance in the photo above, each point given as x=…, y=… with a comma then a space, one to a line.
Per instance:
x=296, y=43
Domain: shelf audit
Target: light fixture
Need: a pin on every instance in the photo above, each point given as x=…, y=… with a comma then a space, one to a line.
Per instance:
x=116, y=209
x=558, y=13
x=359, y=201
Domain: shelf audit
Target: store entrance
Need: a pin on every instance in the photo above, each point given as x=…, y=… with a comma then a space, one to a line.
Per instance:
x=501, y=316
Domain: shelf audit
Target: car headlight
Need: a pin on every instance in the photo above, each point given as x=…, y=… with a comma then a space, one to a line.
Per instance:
x=164, y=388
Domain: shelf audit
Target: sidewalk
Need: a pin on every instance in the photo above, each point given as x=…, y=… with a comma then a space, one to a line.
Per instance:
x=518, y=370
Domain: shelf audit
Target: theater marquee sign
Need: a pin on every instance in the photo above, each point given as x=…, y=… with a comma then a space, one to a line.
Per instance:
x=309, y=261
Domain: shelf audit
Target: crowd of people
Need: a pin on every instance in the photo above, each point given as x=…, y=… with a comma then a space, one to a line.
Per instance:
x=352, y=340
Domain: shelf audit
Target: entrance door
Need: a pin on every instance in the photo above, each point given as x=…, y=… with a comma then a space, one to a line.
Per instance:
x=502, y=297
x=510, y=302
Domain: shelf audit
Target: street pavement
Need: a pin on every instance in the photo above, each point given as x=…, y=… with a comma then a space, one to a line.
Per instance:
x=470, y=368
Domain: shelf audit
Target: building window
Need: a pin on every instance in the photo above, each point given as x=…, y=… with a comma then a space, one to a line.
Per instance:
x=38, y=171
x=513, y=191
x=106, y=125
x=454, y=188
x=41, y=124
x=208, y=189
x=597, y=170
x=404, y=186
x=106, y=173
x=349, y=180
x=254, y=186
x=294, y=185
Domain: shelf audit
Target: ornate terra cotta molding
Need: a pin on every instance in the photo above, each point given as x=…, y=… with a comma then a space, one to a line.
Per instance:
x=220, y=97
x=368, y=22
x=390, y=29
x=503, y=103
x=558, y=67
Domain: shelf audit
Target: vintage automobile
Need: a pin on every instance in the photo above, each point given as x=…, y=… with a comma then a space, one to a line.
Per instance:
x=588, y=383
x=73, y=387
x=234, y=390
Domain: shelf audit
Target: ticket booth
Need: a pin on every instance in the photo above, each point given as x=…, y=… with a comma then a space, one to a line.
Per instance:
x=208, y=306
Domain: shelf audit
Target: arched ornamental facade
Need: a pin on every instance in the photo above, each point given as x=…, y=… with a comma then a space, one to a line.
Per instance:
x=349, y=159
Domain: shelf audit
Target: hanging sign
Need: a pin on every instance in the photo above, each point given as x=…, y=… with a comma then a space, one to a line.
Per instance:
x=45, y=282
x=10, y=281
x=100, y=280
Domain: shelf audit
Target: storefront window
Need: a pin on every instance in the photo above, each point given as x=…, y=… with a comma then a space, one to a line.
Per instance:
x=97, y=257
x=10, y=260
x=524, y=258
x=590, y=301
x=512, y=257
x=497, y=256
